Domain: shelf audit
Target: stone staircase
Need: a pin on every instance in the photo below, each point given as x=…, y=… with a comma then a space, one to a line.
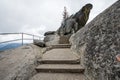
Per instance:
x=59, y=64
x=60, y=68
x=61, y=46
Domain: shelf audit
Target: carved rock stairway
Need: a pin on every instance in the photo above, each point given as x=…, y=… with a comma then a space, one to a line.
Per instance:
x=59, y=64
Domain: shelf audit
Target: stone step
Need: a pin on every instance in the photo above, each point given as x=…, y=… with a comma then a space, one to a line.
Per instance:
x=58, y=76
x=60, y=54
x=60, y=68
x=61, y=46
x=58, y=61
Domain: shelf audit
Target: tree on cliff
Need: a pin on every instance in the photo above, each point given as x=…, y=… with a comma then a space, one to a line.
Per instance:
x=65, y=13
x=75, y=22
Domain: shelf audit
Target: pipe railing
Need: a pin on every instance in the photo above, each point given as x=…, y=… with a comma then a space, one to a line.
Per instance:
x=22, y=37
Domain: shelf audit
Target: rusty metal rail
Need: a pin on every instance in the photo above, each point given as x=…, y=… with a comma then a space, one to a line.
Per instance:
x=22, y=37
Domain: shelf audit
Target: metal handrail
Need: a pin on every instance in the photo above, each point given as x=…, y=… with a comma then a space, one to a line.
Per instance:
x=18, y=33
x=22, y=35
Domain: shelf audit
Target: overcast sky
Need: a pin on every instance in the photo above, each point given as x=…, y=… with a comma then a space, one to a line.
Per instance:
x=39, y=16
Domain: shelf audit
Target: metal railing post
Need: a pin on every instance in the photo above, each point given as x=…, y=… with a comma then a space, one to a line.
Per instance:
x=33, y=38
x=22, y=38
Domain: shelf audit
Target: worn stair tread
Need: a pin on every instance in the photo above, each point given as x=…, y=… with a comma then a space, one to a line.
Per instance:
x=60, y=54
x=60, y=68
x=58, y=76
x=67, y=61
x=57, y=66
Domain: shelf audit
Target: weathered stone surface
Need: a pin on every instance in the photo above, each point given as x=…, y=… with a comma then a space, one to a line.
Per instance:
x=58, y=76
x=98, y=43
x=49, y=33
x=20, y=63
x=51, y=39
x=64, y=39
x=39, y=43
x=67, y=27
x=75, y=22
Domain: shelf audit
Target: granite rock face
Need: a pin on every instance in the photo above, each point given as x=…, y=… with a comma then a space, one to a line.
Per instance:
x=51, y=39
x=19, y=63
x=39, y=43
x=75, y=22
x=98, y=43
x=49, y=33
x=69, y=26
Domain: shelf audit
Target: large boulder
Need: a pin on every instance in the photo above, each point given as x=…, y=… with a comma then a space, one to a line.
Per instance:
x=69, y=26
x=51, y=38
x=98, y=43
x=39, y=43
x=73, y=23
x=49, y=33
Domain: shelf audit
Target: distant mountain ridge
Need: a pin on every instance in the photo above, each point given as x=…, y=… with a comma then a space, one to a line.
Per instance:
x=9, y=46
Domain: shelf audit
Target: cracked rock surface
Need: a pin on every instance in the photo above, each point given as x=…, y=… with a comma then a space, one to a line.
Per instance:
x=98, y=43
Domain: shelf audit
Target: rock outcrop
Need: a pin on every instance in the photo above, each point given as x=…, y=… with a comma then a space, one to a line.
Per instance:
x=98, y=43
x=20, y=63
x=49, y=33
x=73, y=23
x=69, y=26
x=51, y=38
x=39, y=43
